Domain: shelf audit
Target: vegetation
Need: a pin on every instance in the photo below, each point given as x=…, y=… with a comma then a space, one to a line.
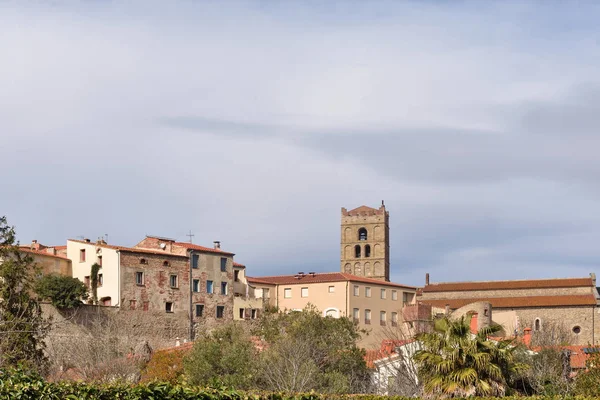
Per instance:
x=22, y=327
x=224, y=357
x=63, y=291
x=94, y=282
x=456, y=363
x=587, y=383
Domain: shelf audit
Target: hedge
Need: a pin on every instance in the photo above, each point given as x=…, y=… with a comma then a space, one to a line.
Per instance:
x=17, y=385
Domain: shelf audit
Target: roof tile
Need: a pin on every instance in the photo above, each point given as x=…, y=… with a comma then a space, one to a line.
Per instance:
x=508, y=285
x=517, y=302
x=320, y=278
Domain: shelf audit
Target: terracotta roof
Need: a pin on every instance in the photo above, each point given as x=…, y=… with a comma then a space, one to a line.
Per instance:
x=518, y=302
x=191, y=246
x=388, y=348
x=321, y=278
x=26, y=249
x=508, y=285
x=59, y=247
x=128, y=249
x=235, y=264
x=362, y=210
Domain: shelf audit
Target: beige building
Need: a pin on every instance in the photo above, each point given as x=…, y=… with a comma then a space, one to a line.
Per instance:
x=375, y=305
x=538, y=304
x=365, y=242
x=51, y=259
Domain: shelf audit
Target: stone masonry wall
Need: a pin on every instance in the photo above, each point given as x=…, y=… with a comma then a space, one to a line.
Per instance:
x=474, y=294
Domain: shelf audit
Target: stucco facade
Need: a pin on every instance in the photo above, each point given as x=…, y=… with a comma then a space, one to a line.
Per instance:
x=50, y=259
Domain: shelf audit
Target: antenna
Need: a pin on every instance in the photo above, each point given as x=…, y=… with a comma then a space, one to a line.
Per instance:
x=190, y=235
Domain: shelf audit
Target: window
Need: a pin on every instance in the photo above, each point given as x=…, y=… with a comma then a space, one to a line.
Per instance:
x=209, y=286
x=383, y=293
x=220, y=311
x=143, y=261
x=254, y=313
x=241, y=313
x=304, y=292
x=356, y=290
x=362, y=234
x=139, y=278
x=382, y=318
x=367, y=317
x=100, y=260
x=287, y=293
x=199, y=310
x=367, y=292
x=145, y=305
x=394, y=319
x=367, y=251
x=357, y=251
x=223, y=264
x=169, y=307
x=195, y=259
x=100, y=280
x=196, y=285
x=331, y=289
x=406, y=298
x=356, y=314
x=537, y=324
x=266, y=294
x=173, y=281
x=394, y=295
x=166, y=264
x=224, y=288
x=236, y=275
x=86, y=281
x=82, y=255
x=132, y=304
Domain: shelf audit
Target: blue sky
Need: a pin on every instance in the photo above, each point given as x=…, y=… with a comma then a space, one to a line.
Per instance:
x=253, y=123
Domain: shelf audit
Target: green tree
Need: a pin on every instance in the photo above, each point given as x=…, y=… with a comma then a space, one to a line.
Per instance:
x=224, y=357
x=587, y=383
x=94, y=282
x=63, y=291
x=22, y=327
x=310, y=352
x=456, y=363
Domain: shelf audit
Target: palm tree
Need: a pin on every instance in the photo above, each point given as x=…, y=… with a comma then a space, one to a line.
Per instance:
x=454, y=362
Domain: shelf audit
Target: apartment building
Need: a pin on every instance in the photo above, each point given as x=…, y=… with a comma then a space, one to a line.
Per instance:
x=375, y=305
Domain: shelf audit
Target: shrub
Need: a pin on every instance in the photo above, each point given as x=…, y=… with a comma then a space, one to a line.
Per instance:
x=63, y=291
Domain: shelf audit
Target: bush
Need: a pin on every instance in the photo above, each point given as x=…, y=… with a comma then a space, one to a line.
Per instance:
x=165, y=366
x=63, y=291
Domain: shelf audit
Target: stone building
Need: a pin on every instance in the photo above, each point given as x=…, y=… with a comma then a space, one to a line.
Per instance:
x=365, y=242
x=517, y=304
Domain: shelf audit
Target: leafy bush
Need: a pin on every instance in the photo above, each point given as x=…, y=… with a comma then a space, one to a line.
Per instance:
x=165, y=366
x=63, y=291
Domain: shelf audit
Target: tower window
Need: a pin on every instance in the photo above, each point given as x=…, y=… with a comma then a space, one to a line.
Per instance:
x=362, y=234
x=537, y=325
x=357, y=251
x=367, y=251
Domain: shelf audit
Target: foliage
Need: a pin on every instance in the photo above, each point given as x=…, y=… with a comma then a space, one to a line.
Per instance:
x=16, y=384
x=224, y=357
x=454, y=362
x=94, y=282
x=22, y=327
x=62, y=291
x=587, y=383
x=164, y=366
x=309, y=352
x=548, y=372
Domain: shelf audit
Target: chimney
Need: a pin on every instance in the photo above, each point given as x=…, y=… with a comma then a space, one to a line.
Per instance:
x=427, y=279
x=34, y=245
x=593, y=276
x=312, y=274
x=87, y=240
x=474, y=323
x=301, y=274
x=527, y=336
x=217, y=244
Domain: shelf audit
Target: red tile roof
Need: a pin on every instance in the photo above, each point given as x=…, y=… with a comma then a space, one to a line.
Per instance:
x=191, y=246
x=59, y=247
x=321, y=278
x=518, y=302
x=235, y=264
x=362, y=210
x=508, y=285
x=129, y=249
x=388, y=348
x=26, y=249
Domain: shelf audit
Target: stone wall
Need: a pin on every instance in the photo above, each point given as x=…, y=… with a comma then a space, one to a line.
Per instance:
x=474, y=294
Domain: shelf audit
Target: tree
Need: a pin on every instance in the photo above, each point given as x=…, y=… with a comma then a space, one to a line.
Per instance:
x=62, y=291
x=224, y=357
x=94, y=282
x=587, y=383
x=310, y=352
x=454, y=362
x=22, y=327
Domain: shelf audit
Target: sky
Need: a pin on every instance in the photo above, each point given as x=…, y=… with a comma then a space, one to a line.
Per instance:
x=254, y=123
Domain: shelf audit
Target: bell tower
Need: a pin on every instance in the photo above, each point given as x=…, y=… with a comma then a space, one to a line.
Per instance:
x=365, y=244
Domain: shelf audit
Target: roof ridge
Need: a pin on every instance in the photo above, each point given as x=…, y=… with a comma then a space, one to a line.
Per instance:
x=508, y=280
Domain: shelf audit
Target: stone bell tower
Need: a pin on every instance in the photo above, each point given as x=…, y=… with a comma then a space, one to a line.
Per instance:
x=365, y=244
